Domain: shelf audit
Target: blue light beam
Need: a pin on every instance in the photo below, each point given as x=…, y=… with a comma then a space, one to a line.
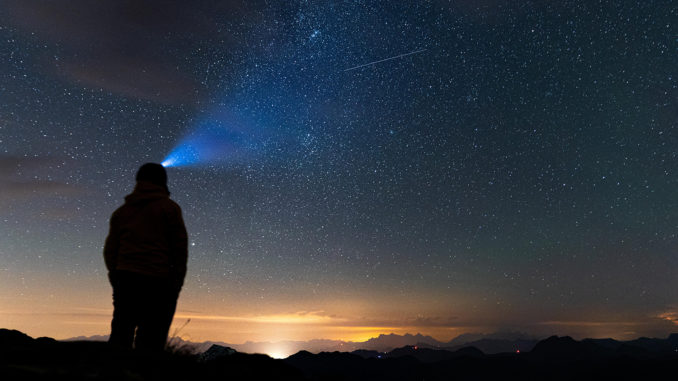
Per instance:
x=214, y=142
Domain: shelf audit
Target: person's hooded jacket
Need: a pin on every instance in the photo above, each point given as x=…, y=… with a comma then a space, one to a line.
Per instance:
x=148, y=236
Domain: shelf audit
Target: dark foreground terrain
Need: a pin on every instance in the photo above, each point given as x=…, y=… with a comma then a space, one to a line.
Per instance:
x=557, y=358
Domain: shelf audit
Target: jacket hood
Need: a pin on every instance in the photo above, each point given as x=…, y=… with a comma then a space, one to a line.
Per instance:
x=145, y=192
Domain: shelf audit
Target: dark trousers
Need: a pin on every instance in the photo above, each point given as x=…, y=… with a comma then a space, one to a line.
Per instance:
x=143, y=304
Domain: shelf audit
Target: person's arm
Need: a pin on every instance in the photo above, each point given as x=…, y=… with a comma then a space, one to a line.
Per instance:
x=111, y=246
x=178, y=248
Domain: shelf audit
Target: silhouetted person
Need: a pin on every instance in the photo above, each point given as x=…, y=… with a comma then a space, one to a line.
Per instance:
x=146, y=252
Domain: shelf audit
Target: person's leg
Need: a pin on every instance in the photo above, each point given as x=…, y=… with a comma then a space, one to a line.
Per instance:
x=124, y=311
x=156, y=318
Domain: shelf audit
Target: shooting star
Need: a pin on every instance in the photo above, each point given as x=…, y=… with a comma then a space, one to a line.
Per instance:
x=385, y=59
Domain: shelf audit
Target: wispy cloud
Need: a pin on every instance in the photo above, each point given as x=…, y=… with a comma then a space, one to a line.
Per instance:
x=580, y=323
x=18, y=185
x=22, y=189
x=10, y=164
x=671, y=316
x=134, y=61
x=301, y=317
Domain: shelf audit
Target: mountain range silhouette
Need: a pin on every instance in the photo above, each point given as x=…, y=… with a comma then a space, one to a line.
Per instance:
x=497, y=342
x=558, y=358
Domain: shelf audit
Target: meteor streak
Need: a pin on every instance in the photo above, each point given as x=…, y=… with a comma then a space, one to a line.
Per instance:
x=385, y=59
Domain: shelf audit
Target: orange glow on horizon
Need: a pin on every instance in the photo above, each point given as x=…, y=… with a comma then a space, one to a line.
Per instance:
x=64, y=311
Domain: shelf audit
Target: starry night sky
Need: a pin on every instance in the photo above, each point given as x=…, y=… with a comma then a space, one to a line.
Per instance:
x=517, y=171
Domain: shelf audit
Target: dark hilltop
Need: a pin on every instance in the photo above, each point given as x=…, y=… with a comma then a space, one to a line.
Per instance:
x=555, y=358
